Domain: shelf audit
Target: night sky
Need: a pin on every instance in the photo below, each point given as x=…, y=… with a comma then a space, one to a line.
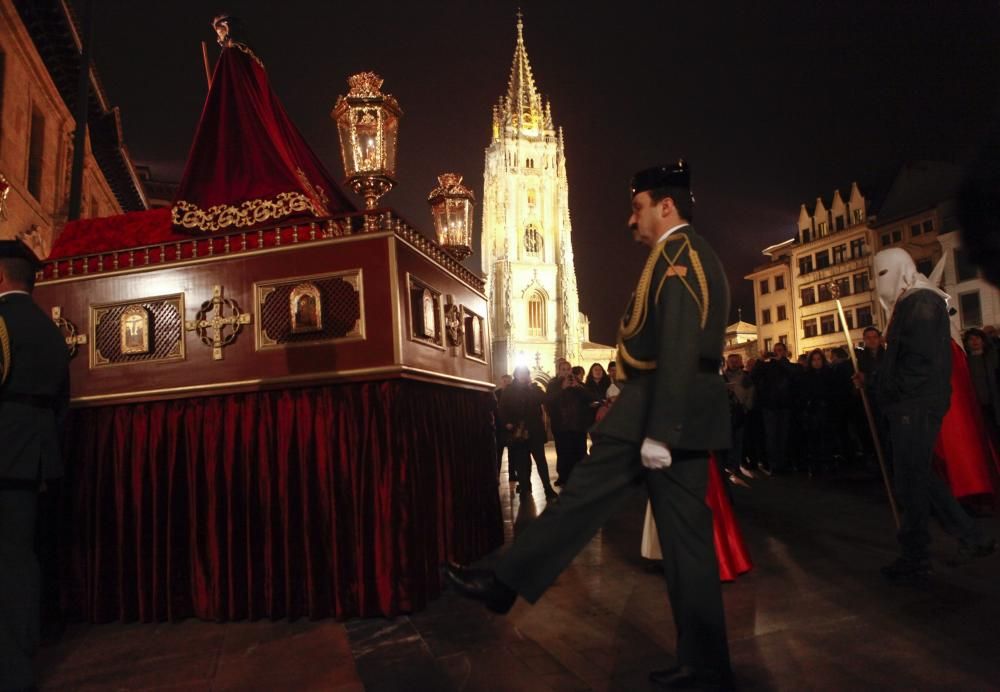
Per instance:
x=773, y=104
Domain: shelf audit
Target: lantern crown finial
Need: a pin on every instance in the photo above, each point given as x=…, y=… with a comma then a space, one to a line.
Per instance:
x=450, y=184
x=365, y=84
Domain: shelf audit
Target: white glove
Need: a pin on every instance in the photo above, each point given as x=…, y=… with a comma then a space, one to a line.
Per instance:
x=655, y=455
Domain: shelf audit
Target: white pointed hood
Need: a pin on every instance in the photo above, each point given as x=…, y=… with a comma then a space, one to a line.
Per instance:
x=896, y=276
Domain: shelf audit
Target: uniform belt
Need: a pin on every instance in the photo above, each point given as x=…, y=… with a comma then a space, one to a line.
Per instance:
x=34, y=400
x=709, y=366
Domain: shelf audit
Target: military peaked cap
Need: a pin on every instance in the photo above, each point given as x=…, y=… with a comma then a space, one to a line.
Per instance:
x=16, y=249
x=673, y=175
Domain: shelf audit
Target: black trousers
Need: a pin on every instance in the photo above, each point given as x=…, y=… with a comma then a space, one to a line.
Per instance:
x=571, y=447
x=519, y=459
x=600, y=483
x=919, y=490
x=19, y=586
x=777, y=430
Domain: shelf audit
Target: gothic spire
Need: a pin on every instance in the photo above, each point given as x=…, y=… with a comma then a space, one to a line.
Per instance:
x=524, y=104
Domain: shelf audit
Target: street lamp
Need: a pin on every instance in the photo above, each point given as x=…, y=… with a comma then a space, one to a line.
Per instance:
x=368, y=126
x=451, y=209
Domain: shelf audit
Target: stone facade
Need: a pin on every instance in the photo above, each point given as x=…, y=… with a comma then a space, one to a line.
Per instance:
x=527, y=249
x=36, y=144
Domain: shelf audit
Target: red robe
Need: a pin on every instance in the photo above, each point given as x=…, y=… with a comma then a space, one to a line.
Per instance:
x=730, y=550
x=964, y=451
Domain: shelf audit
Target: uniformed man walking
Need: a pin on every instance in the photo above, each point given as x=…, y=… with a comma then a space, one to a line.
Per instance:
x=34, y=392
x=673, y=409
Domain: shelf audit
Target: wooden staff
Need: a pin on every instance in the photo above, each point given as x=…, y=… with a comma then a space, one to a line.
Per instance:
x=204, y=59
x=835, y=291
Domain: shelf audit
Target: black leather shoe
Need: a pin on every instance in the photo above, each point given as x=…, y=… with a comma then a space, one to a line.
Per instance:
x=481, y=585
x=687, y=678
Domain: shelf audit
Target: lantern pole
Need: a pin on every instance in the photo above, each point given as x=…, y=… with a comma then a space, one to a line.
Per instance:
x=835, y=291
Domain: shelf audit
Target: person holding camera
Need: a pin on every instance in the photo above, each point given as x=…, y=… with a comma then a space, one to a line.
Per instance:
x=521, y=416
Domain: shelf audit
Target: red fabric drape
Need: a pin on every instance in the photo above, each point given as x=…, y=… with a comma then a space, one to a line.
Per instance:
x=966, y=455
x=730, y=550
x=246, y=150
x=328, y=501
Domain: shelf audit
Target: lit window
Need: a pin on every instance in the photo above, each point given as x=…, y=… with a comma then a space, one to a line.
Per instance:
x=36, y=147
x=857, y=215
x=532, y=241
x=536, y=315
x=865, y=316
x=971, y=308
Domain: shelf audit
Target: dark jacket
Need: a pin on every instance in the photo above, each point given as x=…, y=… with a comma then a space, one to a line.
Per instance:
x=523, y=402
x=670, y=345
x=776, y=382
x=816, y=397
x=568, y=407
x=35, y=395
x=916, y=367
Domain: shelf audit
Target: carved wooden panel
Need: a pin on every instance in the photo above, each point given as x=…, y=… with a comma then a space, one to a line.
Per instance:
x=310, y=309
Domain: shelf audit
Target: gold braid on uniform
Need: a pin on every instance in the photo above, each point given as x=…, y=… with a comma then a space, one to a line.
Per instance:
x=4, y=351
x=699, y=275
x=637, y=318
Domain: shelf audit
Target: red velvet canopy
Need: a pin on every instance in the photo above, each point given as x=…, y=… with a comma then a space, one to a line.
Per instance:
x=249, y=165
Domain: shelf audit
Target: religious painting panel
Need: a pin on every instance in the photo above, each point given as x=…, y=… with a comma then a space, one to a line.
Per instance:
x=475, y=335
x=425, y=318
x=148, y=330
x=310, y=309
x=134, y=324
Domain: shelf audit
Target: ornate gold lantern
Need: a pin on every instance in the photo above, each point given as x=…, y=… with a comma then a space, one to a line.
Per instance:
x=451, y=209
x=368, y=125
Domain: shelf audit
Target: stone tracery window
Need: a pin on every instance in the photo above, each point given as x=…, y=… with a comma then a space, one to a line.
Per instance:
x=533, y=245
x=536, y=314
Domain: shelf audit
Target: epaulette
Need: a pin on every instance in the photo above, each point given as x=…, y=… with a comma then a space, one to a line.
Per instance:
x=4, y=351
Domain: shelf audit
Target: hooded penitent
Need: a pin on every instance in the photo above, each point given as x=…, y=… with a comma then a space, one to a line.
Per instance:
x=249, y=166
x=896, y=275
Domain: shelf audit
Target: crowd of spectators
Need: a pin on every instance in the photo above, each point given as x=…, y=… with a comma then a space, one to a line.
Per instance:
x=567, y=407
x=787, y=416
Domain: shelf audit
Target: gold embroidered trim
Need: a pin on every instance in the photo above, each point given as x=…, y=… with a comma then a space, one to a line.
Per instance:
x=246, y=49
x=254, y=211
x=4, y=351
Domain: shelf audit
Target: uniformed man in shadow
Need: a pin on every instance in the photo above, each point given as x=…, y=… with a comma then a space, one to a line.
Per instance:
x=34, y=393
x=672, y=410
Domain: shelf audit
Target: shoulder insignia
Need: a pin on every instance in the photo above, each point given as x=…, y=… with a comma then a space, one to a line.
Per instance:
x=4, y=351
x=674, y=269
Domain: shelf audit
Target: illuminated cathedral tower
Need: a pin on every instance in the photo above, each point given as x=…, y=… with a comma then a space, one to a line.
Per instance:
x=527, y=247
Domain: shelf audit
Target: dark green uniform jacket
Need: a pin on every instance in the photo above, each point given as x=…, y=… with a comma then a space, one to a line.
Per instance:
x=670, y=349
x=34, y=392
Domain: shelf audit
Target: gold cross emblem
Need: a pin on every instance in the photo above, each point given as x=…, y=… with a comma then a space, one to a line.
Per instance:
x=68, y=330
x=210, y=327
